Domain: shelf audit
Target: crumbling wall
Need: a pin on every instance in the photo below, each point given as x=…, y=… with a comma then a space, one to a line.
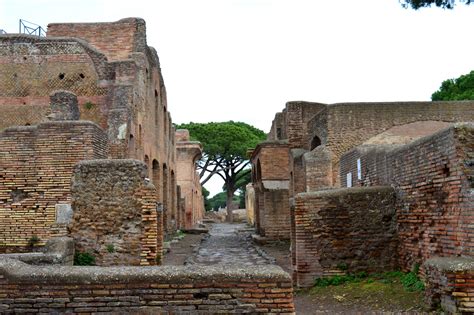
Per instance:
x=36, y=164
x=115, y=213
x=344, y=230
x=152, y=290
x=433, y=178
x=449, y=284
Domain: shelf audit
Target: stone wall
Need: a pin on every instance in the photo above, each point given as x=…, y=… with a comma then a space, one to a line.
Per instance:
x=115, y=213
x=36, y=164
x=344, y=230
x=167, y=289
x=433, y=178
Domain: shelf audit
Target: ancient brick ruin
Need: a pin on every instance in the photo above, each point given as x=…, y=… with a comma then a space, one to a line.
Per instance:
x=90, y=163
x=372, y=187
x=86, y=91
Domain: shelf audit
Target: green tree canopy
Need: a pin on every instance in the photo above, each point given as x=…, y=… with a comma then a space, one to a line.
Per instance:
x=458, y=89
x=445, y=4
x=225, y=146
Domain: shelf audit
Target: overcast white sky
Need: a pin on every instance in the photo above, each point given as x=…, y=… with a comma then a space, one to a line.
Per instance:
x=243, y=60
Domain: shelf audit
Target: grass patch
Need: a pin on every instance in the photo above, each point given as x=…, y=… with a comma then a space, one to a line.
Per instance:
x=410, y=281
x=84, y=259
x=395, y=291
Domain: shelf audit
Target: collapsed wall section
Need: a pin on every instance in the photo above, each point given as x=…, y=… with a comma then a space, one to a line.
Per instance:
x=343, y=230
x=116, y=218
x=36, y=164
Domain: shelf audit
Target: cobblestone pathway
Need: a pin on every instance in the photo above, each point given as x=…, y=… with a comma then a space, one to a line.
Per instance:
x=228, y=244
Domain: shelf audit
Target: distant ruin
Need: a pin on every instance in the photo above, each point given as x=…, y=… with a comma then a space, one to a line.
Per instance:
x=371, y=187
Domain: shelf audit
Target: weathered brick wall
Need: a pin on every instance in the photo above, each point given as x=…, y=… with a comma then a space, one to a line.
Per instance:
x=274, y=160
x=275, y=214
x=278, y=130
x=298, y=115
x=138, y=123
x=271, y=181
x=157, y=290
x=31, y=68
x=449, y=284
x=116, y=39
x=36, y=164
x=433, y=177
x=350, y=124
x=115, y=213
x=343, y=229
x=317, y=165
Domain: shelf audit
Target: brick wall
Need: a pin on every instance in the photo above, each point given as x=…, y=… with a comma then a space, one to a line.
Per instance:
x=433, y=178
x=115, y=213
x=275, y=214
x=31, y=68
x=271, y=183
x=354, y=228
x=317, y=166
x=298, y=115
x=36, y=165
x=350, y=124
x=116, y=39
x=167, y=289
x=449, y=284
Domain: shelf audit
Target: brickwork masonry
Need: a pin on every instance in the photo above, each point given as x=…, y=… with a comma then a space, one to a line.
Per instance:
x=36, y=164
x=263, y=289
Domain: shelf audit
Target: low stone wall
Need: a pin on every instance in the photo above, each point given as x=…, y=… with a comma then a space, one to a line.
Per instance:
x=343, y=230
x=150, y=290
x=450, y=284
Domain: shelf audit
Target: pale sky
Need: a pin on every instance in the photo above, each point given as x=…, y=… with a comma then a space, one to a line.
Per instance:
x=243, y=60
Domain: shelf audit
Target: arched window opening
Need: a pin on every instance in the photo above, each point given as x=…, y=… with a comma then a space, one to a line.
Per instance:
x=316, y=142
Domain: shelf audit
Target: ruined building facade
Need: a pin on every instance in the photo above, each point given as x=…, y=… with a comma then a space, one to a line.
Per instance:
x=86, y=91
x=371, y=186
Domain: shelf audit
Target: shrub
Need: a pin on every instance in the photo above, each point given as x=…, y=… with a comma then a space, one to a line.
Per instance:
x=84, y=259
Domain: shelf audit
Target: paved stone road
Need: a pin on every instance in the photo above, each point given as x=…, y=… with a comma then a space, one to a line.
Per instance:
x=228, y=244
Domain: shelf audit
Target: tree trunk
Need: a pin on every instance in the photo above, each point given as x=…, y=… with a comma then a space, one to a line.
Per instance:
x=229, y=204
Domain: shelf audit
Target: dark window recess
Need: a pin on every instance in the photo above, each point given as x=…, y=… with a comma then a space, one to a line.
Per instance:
x=316, y=142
